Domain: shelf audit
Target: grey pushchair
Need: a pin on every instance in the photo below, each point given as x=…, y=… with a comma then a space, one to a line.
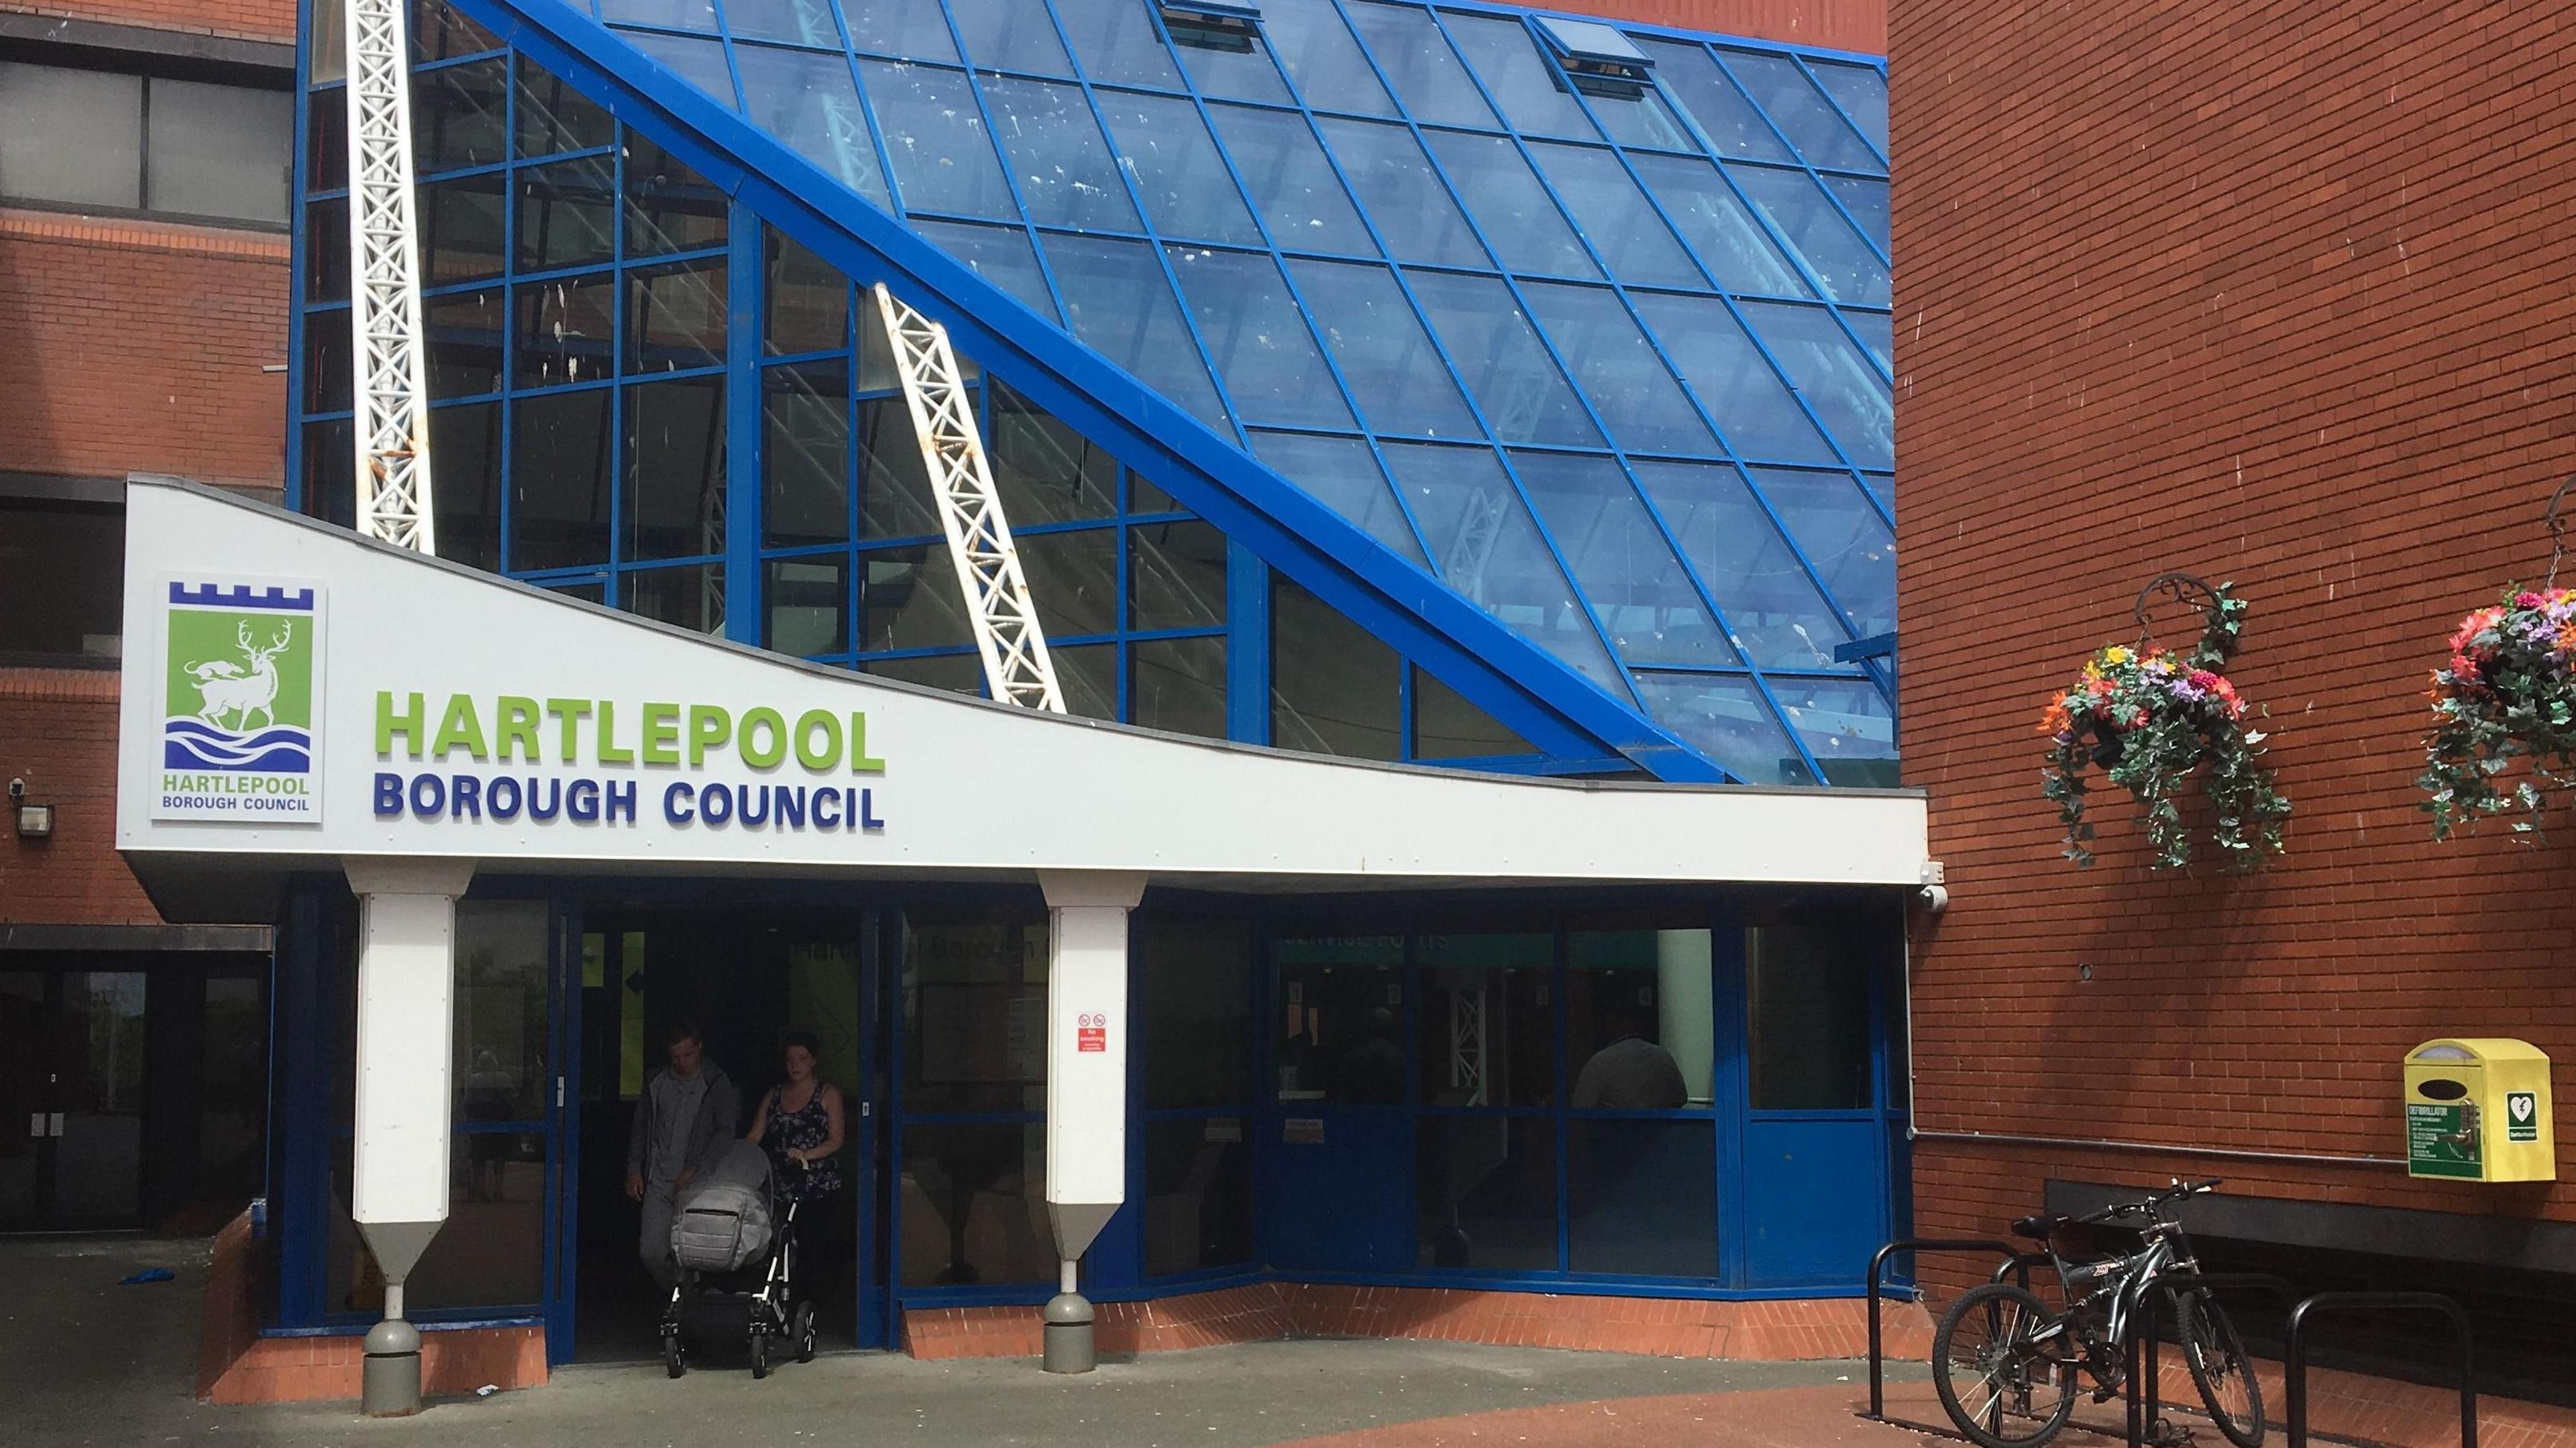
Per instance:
x=733, y=1239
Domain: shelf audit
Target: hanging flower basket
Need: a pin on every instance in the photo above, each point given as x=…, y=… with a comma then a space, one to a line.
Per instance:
x=2510, y=690
x=2152, y=719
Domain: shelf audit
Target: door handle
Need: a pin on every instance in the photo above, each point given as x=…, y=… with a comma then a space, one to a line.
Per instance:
x=58, y=1123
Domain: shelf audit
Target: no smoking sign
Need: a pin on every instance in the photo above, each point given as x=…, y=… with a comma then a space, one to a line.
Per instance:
x=1091, y=1032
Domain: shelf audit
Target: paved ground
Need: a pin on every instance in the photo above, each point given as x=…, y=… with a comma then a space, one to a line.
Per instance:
x=83, y=1361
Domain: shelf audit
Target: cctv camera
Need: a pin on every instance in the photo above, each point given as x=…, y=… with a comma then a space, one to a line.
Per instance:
x=1933, y=898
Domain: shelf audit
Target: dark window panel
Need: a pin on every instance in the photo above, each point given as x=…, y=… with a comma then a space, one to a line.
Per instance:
x=441, y=32
x=1009, y=35
x=500, y=1070
x=1044, y=471
x=62, y=579
x=965, y=970
x=1176, y=575
x=1333, y=685
x=1073, y=579
x=675, y=468
x=1117, y=43
x=1522, y=391
x=1317, y=50
x=808, y=603
x=1447, y=726
x=669, y=207
x=957, y=673
x=465, y=449
x=1144, y=497
x=1641, y=1197
x=934, y=136
x=555, y=117
x=1345, y=476
x=1198, y=1194
x=465, y=334
x=972, y=1171
x=1806, y=1006
x=807, y=299
x=1394, y=374
x=1636, y=585
x=908, y=599
x=1272, y=370
x=1731, y=122
x=1778, y=618
x=567, y=213
x=330, y=475
x=586, y=592
x=675, y=318
x=1528, y=232
x=464, y=229
x=809, y=101
x=1420, y=65
x=1063, y=167
x=1486, y=1031
x=1193, y=1008
x=1726, y=719
x=326, y=140
x=330, y=375
x=894, y=490
x=805, y=457
x=560, y=447
x=1522, y=81
x=566, y=330
x=326, y=251
x=1396, y=186
x=220, y=150
x=500, y=1185
x=460, y=115
x=1165, y=147
x=1178, y=686
x=690, y=597
x=1640, y=1026
x=1486, y=1193
x=1342, y=997
x=71, y=136
x=1087, y=676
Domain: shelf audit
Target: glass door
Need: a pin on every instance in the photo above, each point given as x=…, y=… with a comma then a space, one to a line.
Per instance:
x=26, y=1098
x=98, y=1084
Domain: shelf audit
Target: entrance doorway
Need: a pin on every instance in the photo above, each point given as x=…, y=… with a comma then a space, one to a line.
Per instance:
x=745, y=977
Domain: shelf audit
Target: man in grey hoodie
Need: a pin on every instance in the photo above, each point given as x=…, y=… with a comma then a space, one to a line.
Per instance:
x=683, y=1122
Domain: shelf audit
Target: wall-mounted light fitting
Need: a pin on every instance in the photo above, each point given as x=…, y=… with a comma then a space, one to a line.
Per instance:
x=35, y=821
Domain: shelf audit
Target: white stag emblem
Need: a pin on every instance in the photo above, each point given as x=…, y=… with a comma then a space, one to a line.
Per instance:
x=222, y=688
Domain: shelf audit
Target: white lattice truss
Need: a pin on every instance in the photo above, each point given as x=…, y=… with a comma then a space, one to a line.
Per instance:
x=1467, y=1044
x=384, y=246
x=1016, y=663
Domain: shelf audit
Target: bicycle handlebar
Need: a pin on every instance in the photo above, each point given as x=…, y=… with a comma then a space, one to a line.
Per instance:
x=2147, y=1205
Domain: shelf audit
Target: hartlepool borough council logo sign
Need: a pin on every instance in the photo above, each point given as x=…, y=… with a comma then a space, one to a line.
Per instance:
x=242, y=691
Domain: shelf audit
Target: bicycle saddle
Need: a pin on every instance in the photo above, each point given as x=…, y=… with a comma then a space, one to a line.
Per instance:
x=2039, y=1229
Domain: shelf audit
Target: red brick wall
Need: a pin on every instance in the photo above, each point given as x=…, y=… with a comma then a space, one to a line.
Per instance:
x=1835, y=24
x=137, y=346
x=244, y=19
x=2277, y=293
x=58, y=733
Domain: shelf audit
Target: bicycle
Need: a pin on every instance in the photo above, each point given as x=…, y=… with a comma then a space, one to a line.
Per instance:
x=2006, y=1365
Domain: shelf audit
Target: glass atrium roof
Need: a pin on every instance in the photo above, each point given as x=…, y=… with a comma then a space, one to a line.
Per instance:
x=1588, y=323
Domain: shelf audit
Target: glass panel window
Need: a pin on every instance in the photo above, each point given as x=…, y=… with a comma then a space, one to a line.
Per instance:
x=808, y=602
x=1420, y=65
x=699, y=62
x=1386, y=358
x=62, y=574
x=1618, y=369
x=1230, y=67
x=567, y=330
x=1317, y=50
x=1518, y=385
x=1846, y=726
x=328, y=373
x=1045, y=471
x=1840, y=259
x=1861, y=92
x=1813, y=124
x=1333, y=690
x=460, y=115
x=1447, y=726
x=441, y=32
x=1729, y=121
x=1063, y=168
x=1843, y=536
x=675, y=318
x=1521, y=80
x=894, y=492
x=1342, y=472
x=697, y=15
x=978, y=1192
x=809, y=101
x=1176, y=576
x=908, y=599
x=464, y=331
x=1639, y=1019
x=1342, y=998
x=1528, y=233
x=974, y=1011
x=499, y=1045
x=1009, y=35
x=560, y=446
x=72, y=136
x=1193, y=1009
x=1620, y=560
x=669, y=207
x=467, y=443
x=1116, y=42
x=1866, y=199
x=1727, y=720
x=1252, y=328
x=797, y=22
x=1179, y=686
x=999, y=254
x=1778, y=618
x=461, y=229
x=808, y=302
x=1834, y=376
x=1615, y=216
x=1486, y=1193
x=567, y=213
x=1730, y=243
x=1198, y=1193
x=675, y=468
x=496, y=1258
x=553, y=116
x=906, y=29
x=1640, y=116
x=1073, y=578
x=1486, y=1033
x=1641, y=1197
x=1732, y=379
x=1166, y=150
x=691, y=598
x=935, y=138
x=1117, y=300
x=1488, y=549
x=805, y=456
x=1088, y=676
x=1414, y=215
x=221, y=150
x=1806, y=1005
x=1877, y=333
x=957, y=673
x=1290, y=182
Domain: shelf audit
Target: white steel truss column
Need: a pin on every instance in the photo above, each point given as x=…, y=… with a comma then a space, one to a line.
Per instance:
x=392, y=394
x=1014, y=647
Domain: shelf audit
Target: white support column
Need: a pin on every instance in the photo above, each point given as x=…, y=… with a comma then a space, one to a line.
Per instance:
x=1086, y=1153
x=406, y=1019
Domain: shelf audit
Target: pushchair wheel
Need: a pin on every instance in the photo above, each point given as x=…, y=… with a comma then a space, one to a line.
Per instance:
x=804, y=1332
x=675, y=1359
x=759, y=1354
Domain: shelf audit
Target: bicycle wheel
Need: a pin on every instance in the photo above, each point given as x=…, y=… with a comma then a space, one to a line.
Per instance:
x=2220, y=1368
x=1997, y=1374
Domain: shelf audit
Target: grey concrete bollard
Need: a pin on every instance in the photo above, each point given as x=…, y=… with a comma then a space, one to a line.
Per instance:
x=1068, y=1334
x=391, y=1385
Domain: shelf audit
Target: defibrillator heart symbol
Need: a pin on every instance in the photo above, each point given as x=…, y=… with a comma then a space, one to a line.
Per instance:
x=2521, y=1107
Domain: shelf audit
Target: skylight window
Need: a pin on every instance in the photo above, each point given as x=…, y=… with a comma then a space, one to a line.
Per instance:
x=1599, y=60
x=1215, y=24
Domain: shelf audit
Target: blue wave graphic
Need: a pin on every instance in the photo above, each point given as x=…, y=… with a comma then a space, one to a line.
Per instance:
x=191, y=743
